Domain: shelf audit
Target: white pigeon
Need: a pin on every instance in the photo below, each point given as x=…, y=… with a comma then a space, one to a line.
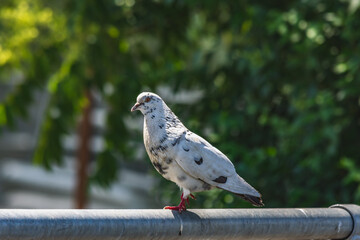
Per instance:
x=185, y=158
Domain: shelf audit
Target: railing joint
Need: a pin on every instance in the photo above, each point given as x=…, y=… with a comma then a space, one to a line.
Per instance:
x=354, y=211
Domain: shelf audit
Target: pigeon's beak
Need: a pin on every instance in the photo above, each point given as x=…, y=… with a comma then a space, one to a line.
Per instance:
x=135, y=107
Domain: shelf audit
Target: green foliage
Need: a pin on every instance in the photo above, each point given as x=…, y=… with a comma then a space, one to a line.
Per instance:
x=281, y=84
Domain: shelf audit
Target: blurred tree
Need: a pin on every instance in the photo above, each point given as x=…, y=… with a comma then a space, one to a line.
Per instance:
x=280, y=79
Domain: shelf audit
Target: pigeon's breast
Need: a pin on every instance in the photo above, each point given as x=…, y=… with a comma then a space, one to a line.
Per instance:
x=160, y=157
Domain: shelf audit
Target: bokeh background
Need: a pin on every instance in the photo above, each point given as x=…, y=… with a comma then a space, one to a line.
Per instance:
x=275, y=85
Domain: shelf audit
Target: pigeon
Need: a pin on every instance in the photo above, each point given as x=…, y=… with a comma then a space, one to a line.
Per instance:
x=185, y=158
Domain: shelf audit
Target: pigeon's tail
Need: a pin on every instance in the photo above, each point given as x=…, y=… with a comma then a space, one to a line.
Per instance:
x=240, y=187
x=255, y=201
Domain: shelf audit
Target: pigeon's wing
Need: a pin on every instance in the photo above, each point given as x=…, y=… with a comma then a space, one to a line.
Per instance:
x=203, y=161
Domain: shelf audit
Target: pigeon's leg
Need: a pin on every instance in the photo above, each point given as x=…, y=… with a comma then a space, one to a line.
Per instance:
x=187, y=199
x=186, y=194
x=182, y=205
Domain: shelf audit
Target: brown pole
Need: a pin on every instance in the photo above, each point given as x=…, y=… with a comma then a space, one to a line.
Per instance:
x=83, y=154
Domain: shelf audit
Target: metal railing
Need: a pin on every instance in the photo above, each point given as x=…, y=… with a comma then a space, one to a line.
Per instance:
x=336, y=222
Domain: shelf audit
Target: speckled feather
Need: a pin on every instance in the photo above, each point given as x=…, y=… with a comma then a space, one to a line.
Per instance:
x=185, y=158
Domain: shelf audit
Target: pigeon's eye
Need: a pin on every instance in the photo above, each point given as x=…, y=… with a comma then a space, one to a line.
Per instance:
x=147, y=99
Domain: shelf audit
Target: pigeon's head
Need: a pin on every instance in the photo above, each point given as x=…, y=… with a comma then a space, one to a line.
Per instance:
x=146, y=101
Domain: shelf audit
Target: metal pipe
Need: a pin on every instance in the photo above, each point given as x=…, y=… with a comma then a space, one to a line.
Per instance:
x=297, y=223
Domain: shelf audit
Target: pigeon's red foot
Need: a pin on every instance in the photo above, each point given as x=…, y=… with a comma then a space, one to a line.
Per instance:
x=178, y=208
x=182, y=205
